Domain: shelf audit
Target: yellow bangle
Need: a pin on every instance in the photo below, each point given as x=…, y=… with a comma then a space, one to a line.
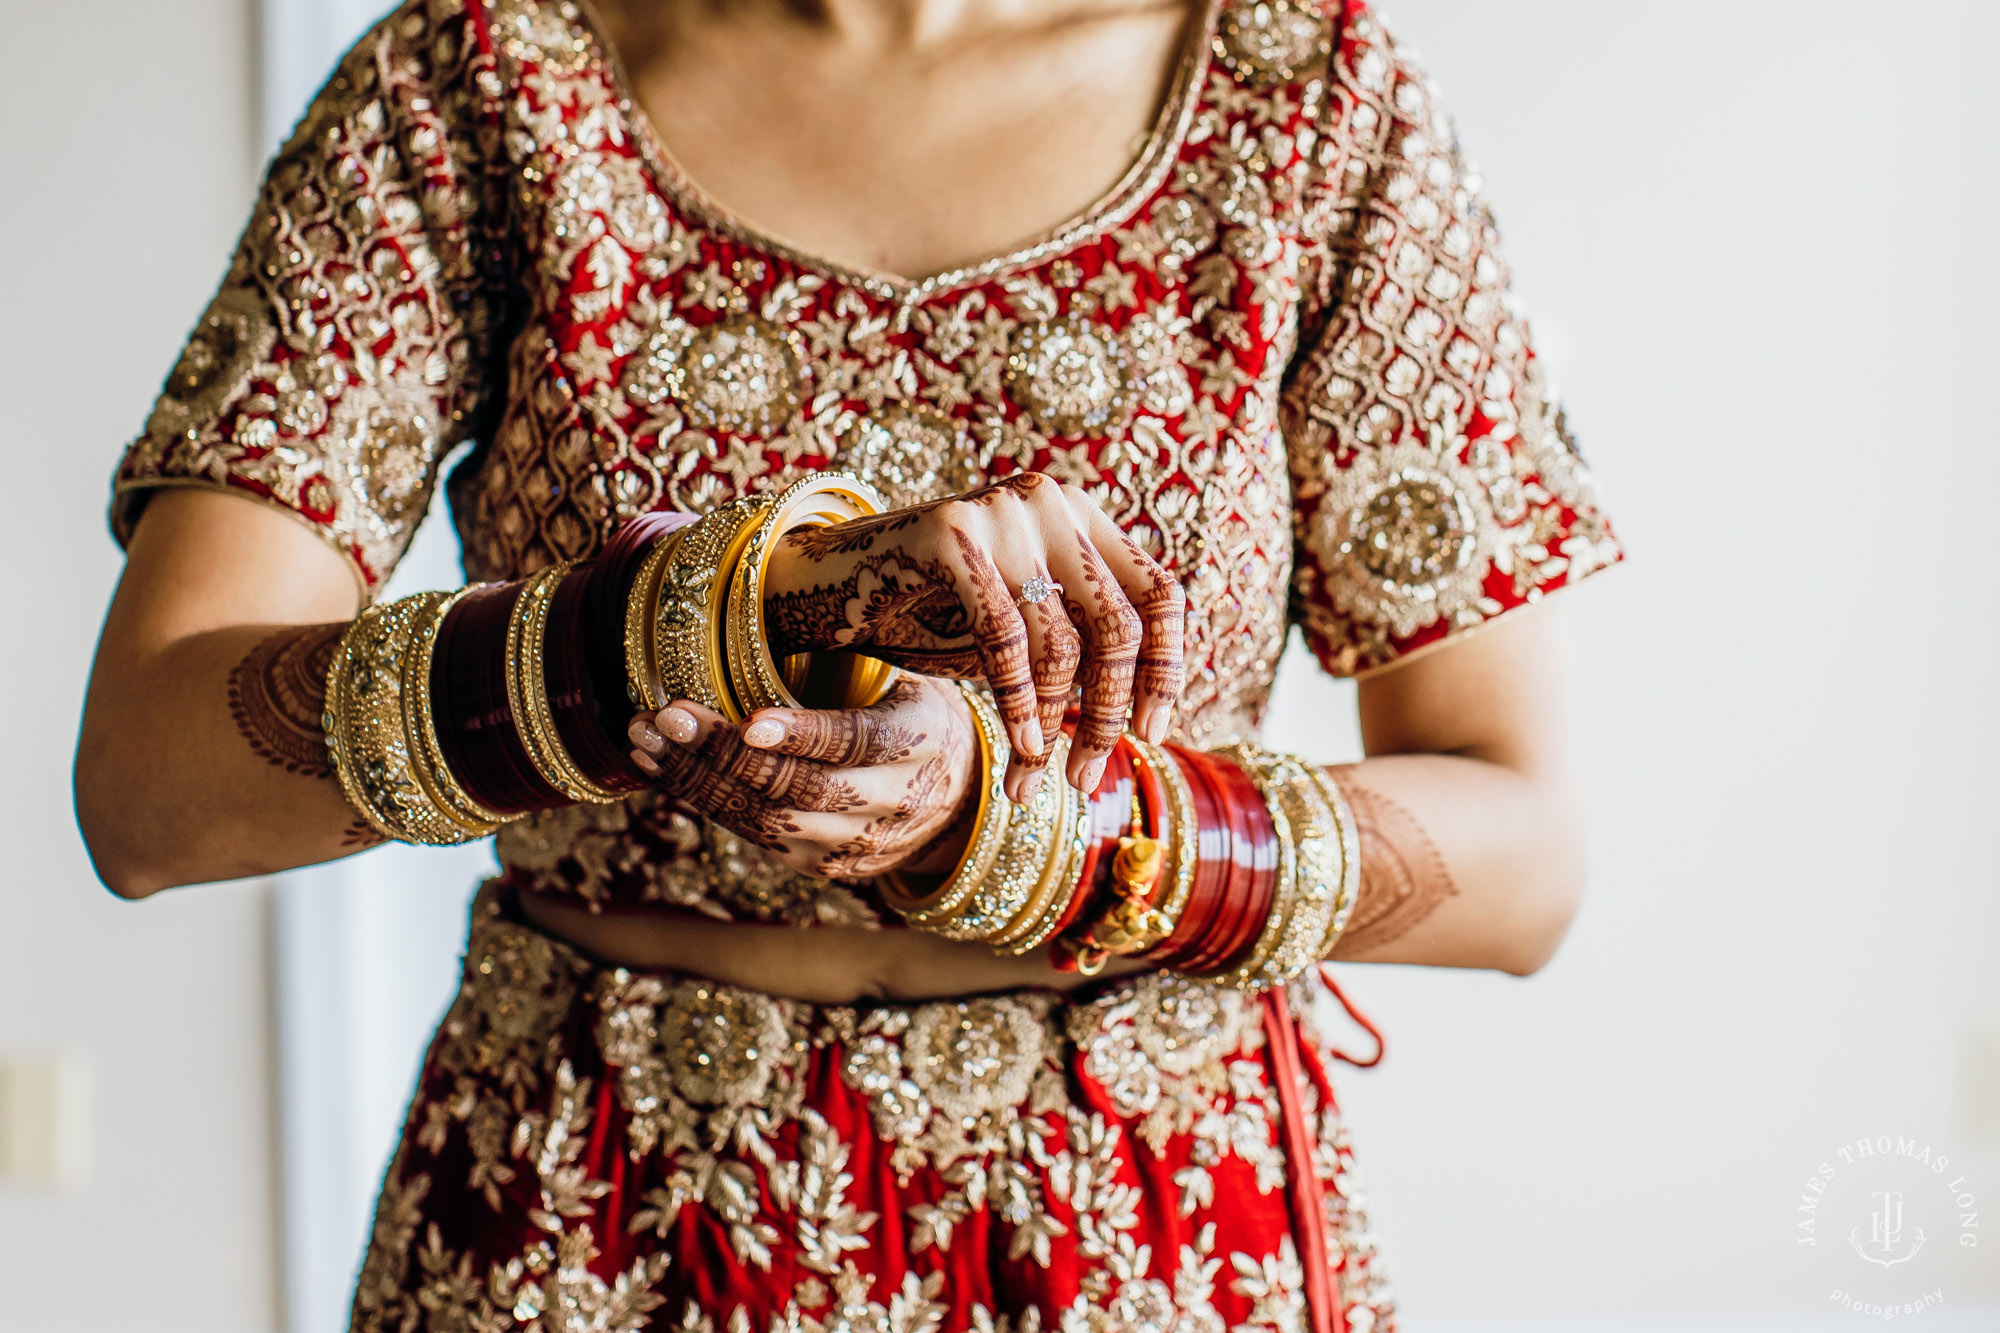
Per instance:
x=1183, y=836
x=427, y=760
x=756, y=679
x=528, y=691
x=989, y=827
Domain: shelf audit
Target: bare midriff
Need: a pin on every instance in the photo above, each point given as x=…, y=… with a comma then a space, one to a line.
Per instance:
x=820, y=964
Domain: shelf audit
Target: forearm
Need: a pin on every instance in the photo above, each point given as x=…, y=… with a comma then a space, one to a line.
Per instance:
x=204, y=761
x=1465, y=862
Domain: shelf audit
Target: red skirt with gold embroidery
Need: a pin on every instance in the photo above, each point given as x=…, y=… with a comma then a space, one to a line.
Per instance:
x=599, y=1149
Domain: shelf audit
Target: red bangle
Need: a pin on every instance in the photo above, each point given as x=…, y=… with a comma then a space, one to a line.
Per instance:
x=1217, y=867
x=572, y=694
x=1212, y=863
x=475, y=722
x=1244, y=916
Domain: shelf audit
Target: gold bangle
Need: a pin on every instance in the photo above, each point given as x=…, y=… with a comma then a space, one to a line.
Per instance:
x=1058, y=885
x=988, y=829
x=694, y=591
x=1348, y=889
x=642, y=674
x=528, y=691
x=1054, y=894
x=756, y=679
x=1184, y=835
x=1316, y=843
x=427, y=759
x=1021, y=864
x=366, y=738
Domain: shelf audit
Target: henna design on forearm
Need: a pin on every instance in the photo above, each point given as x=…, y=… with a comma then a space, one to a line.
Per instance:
x=277, y=694
x=360, y=835
x=901, y=609
x=1403, y=875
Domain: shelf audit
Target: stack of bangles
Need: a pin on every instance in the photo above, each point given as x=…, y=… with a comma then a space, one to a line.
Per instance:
x=449, y=714
x=1240, y=866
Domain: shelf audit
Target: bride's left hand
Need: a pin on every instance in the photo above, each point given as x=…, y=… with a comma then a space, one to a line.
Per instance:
x=841, y=793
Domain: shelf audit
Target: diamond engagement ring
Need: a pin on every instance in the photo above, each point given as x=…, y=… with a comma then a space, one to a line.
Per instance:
x=1037, y=589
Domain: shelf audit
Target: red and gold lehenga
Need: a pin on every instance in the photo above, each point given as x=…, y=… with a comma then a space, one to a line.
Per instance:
x=1281, y=352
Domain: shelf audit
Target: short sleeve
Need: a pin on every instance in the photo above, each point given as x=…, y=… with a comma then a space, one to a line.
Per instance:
x=349, y=347
x=1435, y=483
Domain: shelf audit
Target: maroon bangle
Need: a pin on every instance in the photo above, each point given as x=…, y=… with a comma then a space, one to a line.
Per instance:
x=475, y=721
x=1245, y=921
x=573, y=696
x=1239, y=873
x=604, y=604
x=1212, y=861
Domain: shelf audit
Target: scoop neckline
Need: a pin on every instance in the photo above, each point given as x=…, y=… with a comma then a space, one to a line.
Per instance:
x=1145, y=175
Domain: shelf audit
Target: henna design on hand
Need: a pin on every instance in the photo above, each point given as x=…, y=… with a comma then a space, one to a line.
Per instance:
x=1114, y=632
x=904, y=610
x=875, y=849
x=855, y=738
x=277, y=694
x=1002, y=637
x=1403, y=875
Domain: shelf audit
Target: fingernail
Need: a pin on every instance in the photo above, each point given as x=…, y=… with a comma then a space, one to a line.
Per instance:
x=1093, y=773
x=679, y=725
x=1031, y=737
x=645, y=737
x=645, y=761
x=763, y=734
x=1029, y=786
x=1155, y=728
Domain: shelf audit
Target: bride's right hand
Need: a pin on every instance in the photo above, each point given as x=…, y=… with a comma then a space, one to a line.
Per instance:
x=937, y=588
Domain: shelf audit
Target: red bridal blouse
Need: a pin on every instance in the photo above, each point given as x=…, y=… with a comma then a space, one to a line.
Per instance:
x=1281, y=352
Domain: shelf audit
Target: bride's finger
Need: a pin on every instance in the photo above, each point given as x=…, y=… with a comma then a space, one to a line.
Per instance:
x=1161, y=603
x=1001, y=639
x=885, y=732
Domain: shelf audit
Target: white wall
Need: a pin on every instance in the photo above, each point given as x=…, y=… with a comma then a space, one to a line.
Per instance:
x=129, y=173
x=1759, y=240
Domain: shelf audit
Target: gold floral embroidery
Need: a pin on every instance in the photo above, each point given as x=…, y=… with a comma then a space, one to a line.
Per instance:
x=1271, y=41
x=1411, y=534
x=1073, y=375
x=911, y=452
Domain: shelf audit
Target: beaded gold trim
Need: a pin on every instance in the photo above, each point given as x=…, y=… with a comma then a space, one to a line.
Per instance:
x=1059, y=885
x=687, y=616
x=1348, y=833
x=365, y=734
x=1021, y=864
